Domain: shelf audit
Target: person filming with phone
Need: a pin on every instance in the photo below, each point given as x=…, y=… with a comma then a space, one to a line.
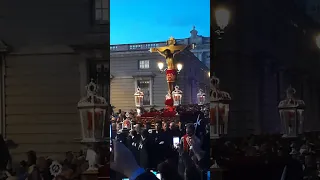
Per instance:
x=192, y=158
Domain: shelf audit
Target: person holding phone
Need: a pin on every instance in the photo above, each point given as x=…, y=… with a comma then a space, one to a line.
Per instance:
x=124, y=162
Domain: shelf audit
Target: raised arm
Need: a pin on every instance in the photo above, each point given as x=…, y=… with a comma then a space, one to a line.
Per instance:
x=189, y=47
x=160, y=52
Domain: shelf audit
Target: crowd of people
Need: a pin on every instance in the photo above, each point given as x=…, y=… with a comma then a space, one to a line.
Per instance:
x=38, y=168
x=269, y=157
x=154, y=149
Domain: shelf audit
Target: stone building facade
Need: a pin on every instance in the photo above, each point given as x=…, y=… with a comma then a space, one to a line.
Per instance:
x=48, y=51
x=263, y=51
x=132, y=66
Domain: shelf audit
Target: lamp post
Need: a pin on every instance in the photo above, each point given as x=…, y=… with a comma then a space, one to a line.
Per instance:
x=201, y=96
x=138, y=99
x=177, y=96
x=92, y=109
x=291, y=112
x=162, y=69
x=219, y=110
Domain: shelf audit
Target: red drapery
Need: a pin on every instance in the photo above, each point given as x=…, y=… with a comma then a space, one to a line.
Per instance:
x=90, y=120
x=171, y=75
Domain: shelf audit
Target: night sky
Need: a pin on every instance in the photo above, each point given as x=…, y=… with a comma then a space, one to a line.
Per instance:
x=150, y=21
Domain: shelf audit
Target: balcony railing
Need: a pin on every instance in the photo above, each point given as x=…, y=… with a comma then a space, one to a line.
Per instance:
x=147, y=46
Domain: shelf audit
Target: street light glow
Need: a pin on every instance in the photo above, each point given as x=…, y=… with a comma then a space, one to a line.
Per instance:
x=318, y=40
x=222, y=17
x=209, y=73
x=179, y=66
x=160, y=65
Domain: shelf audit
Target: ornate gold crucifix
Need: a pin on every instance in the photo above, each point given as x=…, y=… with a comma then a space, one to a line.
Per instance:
x=169, y=52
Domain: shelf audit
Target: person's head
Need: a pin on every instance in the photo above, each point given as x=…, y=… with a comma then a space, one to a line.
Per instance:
x=41, y=162
x=119, y=126
x=173, y=126
x=138, y=128
x=69, y=156
x=32, y=158
x=133, y=133
x=190, y=130
x=165, y=126
x=167, y=53
x=114, y=126
x=148, y=125
x=158, y=125
x=167, y=171
x=145, y=134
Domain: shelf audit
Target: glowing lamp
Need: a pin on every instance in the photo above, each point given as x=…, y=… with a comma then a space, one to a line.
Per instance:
x=179, y=67
x=177, y=96
x=201, y=96
x=160, y=66
x=222, y=17
x=138, y=97
x=92, y=109
x=291, y=112
x=138, y=112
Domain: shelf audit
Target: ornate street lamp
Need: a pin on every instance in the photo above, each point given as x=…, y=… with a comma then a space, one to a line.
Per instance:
x=138, y=98
x=222, y=17
x=291, y=112
x=201, y=96
x=219, y=110
x=177, y=96
x=92, y=109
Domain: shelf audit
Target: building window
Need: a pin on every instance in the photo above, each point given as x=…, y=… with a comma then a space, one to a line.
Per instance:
x=102, y=11
x=144, y=64
x=99, y=71
x=145, y=87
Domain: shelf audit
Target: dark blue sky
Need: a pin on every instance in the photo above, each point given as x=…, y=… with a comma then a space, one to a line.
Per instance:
x=137, y=21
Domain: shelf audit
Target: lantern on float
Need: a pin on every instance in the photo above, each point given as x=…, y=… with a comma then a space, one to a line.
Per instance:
x=291, y=112
x=177, y=96
x=92, y=109
x=138, y=98
x=219, y=109
x=201, y=96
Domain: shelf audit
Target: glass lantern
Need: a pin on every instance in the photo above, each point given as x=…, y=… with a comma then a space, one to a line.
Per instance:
x=219, y=110
x=177, y=96
x=127, y=124
x=291, y=112
x=92, y=109
x=138, y=98
x=201, y=96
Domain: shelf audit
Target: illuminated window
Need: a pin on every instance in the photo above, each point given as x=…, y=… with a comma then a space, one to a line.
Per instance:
x=144, y=64
x=102, y=11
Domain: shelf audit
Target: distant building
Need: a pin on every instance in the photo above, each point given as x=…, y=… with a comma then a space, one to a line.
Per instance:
x=202, y=50
x=132, y=66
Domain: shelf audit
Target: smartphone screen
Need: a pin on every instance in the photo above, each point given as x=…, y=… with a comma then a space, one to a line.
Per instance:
x=176, y=141
x=158, y=175
x=208, y=175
